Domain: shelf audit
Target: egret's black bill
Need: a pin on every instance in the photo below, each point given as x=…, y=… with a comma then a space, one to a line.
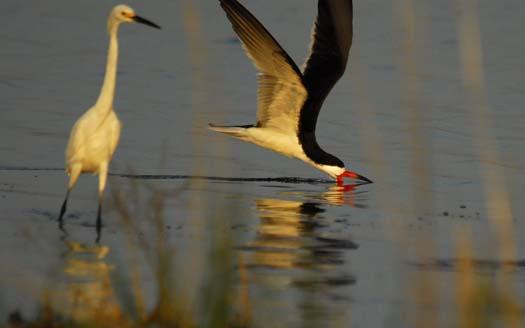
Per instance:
x=144, y=21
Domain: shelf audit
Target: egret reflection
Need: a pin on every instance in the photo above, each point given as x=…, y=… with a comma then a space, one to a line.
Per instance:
x=86, y=294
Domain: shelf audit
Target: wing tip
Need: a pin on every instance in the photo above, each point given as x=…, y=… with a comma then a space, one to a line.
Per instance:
x=228, y=3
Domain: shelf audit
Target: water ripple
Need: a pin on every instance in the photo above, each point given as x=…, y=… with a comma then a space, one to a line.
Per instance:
x=184, y=177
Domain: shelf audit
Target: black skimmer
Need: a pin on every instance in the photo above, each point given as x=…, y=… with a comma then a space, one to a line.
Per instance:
x=289, y=100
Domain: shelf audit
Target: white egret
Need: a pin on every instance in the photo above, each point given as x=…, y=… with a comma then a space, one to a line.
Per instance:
x=95, y=135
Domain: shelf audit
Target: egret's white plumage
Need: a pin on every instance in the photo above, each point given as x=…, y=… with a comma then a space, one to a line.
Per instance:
x=95, y=135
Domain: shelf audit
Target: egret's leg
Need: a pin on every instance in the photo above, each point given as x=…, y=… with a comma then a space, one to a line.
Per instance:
x=99, y=219
x=64, y=205
x=102, y=176
x=73, y=177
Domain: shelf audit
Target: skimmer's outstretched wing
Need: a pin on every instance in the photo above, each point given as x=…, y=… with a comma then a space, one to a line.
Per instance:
x=281, y=92
x=331, y=41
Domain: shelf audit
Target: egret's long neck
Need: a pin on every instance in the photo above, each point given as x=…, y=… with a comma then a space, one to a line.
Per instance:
x=105, y=99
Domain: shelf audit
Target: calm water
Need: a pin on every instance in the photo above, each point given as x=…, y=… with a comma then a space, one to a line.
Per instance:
x=311, y=255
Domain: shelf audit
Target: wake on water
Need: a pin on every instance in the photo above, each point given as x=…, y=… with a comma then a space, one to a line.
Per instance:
x=184, y=177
